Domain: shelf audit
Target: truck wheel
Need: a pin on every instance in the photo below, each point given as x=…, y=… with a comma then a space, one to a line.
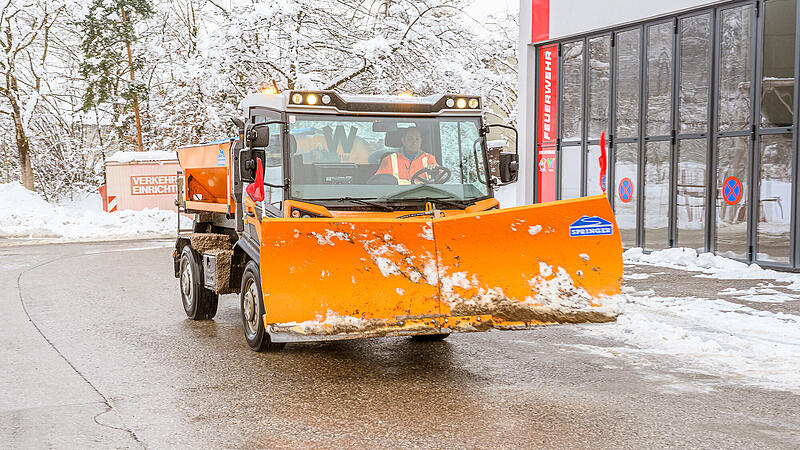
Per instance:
x=198, y=302
x=429, y=337
x=252, y=303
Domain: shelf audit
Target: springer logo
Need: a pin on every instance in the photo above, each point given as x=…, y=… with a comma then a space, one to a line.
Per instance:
x=591, y=226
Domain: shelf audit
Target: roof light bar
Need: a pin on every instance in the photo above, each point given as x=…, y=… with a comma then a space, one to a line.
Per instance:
x=463, y=103
x=325, y=100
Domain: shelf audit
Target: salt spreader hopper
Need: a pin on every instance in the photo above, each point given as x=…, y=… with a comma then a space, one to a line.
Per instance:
x=340, y=217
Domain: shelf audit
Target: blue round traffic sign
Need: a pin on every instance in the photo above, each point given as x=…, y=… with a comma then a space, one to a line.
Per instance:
x=732, y=190
x=625, y=190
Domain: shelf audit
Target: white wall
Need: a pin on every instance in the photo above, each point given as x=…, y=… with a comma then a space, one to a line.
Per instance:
x=568, y=17
x=523, y=189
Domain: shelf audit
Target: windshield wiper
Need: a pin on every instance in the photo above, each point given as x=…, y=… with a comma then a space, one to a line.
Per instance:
x=458, y=204
x=367, y=203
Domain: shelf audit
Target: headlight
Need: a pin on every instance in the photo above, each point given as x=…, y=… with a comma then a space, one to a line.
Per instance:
x=326, y=99
x=461, y=103
x=297, y=98
x=450, y=103
x=473, y=103
x=298, y=213
x=312, y=99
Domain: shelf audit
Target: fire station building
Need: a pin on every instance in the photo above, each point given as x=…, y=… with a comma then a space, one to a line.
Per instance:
x=698, y=103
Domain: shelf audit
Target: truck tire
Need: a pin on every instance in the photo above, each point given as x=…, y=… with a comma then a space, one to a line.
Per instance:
x=429, y=337
x=198, y=302
x=252, y=308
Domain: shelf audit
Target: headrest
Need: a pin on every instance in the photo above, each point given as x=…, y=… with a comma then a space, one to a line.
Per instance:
x=394, y=138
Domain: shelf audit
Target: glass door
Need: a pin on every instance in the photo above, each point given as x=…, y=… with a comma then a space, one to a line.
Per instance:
x=774, y=155
x=599, y=76
x=658, y=126
x=570, y=159
x=733, y=156
x=627, y=95
x=693, y=99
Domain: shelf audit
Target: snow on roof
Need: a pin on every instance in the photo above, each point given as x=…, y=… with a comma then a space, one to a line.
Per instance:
x=152, y=155
x=429, y=100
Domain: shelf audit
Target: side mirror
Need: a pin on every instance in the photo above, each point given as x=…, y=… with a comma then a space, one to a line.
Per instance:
x=258, y=136
x=248, y=163
x=508, y=164
x=509, y=167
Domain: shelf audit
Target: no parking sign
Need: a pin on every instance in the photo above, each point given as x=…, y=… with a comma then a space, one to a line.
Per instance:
x=732, y=190
x=625, y=190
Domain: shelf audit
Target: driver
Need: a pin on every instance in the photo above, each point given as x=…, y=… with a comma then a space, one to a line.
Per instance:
x=409, y=160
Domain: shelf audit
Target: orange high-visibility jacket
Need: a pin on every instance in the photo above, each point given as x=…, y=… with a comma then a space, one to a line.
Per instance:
x=397, y=165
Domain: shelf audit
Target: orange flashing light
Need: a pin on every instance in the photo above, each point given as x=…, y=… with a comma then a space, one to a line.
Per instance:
x=269, y=90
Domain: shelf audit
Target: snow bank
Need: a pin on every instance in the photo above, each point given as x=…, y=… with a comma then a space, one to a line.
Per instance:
x=711, y=336
x=24, y=214
x=713, y=266
x=152, y=155
x=714, y=336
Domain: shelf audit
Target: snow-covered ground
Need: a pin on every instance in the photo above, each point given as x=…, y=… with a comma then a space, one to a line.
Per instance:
x=25, y=215
x=727, y=334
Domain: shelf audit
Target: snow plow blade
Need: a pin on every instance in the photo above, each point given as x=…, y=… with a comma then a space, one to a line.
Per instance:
x=329, y=279
x=557, y=262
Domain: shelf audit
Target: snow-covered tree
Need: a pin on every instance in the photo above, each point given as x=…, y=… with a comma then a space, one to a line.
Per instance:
x=196, y=59
x=24, y=36
x=109, y=31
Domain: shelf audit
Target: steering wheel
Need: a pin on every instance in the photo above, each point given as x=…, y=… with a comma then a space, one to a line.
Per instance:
x=435, y=174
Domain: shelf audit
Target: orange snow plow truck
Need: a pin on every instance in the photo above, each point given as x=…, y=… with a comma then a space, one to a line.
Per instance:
x=339, y=217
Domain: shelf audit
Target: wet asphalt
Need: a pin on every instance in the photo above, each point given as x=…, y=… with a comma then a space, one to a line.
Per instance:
x=97, y=353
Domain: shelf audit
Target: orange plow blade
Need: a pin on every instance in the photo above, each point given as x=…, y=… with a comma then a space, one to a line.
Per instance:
x=558, y=262
x=339, y=279
x=327, y=279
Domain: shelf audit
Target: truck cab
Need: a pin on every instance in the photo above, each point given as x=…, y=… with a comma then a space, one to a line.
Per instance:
x=345, y=155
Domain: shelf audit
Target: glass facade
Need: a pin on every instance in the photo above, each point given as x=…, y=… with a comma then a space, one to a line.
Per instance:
x=699, y=113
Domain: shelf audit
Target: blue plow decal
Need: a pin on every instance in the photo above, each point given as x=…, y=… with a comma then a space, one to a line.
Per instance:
x=591, y=226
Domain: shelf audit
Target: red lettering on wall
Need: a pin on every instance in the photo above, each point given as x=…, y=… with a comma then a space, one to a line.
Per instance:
x=153, y=184
x=547, y=123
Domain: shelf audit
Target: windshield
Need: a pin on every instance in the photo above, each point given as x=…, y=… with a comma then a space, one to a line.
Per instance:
x=386, y=159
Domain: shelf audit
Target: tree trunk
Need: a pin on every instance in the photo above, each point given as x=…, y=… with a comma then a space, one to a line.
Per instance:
x=23, y=145
x=135, y=97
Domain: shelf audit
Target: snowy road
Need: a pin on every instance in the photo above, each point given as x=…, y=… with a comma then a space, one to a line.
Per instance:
x=696, y=361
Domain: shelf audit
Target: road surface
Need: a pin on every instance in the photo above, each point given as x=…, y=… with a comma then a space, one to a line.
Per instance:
x=97, y=352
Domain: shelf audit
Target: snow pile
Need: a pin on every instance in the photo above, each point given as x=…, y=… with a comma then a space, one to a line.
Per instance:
x=24, y=214
x=712, y=336
x=152, y=155
x=556, y=299
x=711, y=265
x=760, y=294
x=331, y=324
